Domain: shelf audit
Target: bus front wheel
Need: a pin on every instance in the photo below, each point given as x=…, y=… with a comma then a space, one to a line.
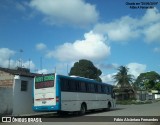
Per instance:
x=83, y=109
x=109, y=106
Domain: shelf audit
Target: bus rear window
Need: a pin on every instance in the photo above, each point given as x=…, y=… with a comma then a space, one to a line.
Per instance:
x=44, y=81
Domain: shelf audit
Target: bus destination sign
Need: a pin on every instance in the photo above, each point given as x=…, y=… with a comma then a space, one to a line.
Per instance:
x=44, y=81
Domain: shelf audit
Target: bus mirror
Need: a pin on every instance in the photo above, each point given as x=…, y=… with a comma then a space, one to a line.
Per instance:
x=113, y=95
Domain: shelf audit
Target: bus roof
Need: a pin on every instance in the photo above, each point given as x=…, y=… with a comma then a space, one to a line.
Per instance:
x=83, y=79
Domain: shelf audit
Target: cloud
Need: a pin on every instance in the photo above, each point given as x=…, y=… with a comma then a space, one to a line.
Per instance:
x=156, y=49
x=93, y=47
x=41, y=46
x=151, y=16
x=6, y=60
x=43, y=71
x=29, y=64
x=120, y=30
x=136, y=68
x=20, y=7
x=152, y=33
x=108, y=66
x=128, y=28
x=108, y=78
x=5, y=56
x=74, y=12
x=6, y=53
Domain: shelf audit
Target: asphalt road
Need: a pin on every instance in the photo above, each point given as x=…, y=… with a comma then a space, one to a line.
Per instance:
x=152, y=109
x=121, y=110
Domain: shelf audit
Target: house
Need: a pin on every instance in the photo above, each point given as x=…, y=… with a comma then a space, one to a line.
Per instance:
x=143, y=95
x=16, y=87
x=124, y=93
x=147, y=95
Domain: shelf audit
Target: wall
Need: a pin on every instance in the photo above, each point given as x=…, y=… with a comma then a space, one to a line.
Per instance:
x=22, y=100
x=142, y=95
x=157, y=96
x=6, y=98
x=6, y=79
x=6, y=93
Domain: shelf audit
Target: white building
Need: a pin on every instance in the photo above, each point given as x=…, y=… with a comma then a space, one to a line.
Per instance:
x=156, y=94
x=16, y=88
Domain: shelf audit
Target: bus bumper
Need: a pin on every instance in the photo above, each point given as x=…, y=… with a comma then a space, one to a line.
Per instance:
x=46, y=108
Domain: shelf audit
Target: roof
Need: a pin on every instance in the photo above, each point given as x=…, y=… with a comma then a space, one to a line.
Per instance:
x=19, y=71
x=84, y=79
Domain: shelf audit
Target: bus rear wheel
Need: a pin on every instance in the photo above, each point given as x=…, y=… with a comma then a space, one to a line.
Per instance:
x=83, y=109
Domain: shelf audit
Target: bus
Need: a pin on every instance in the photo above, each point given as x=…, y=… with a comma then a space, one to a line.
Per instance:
x=58, y=93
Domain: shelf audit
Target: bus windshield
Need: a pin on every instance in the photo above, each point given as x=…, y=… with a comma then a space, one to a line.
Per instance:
x=44, y=81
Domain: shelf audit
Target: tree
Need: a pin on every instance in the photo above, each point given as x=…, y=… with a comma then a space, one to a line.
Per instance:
x=123, y=87
x=122, y=78
x=148, y=81
x=157, y=86
x=85, y=68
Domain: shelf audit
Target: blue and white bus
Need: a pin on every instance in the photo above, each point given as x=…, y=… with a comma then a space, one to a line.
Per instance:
x=54, y=92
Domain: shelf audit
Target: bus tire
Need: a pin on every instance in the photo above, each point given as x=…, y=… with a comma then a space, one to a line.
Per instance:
x=59, y=113
x=83, y=109
x=109, y=106
x=62, y=113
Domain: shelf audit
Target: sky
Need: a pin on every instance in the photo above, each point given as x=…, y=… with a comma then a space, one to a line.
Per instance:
x=51, y=35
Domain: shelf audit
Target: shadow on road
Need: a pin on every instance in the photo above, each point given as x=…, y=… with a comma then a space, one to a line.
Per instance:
x=75, y=114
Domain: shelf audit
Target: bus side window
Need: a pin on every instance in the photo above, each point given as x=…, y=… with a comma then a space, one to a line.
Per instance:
x=64, y=84
x=109, y=90
x=82, y=87
x=99, y=88
x=103, y=88
x=96, y=88
x=77, y=86
x=92, y=88
x=72, y=85
x=106, y=88
x=87, y=87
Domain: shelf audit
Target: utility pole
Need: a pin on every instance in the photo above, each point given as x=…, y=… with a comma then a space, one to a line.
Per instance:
x=41, y=63
x=55, y=70
x=9, y=62
x=29, y=63
x=67, y=69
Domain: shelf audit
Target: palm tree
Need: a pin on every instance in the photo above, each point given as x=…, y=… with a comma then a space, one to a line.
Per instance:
x=123, y=80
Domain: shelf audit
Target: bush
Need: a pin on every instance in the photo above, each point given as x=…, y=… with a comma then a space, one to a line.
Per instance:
x=124, y=102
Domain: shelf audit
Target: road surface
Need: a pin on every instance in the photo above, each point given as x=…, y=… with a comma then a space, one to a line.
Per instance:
x=121, y=110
